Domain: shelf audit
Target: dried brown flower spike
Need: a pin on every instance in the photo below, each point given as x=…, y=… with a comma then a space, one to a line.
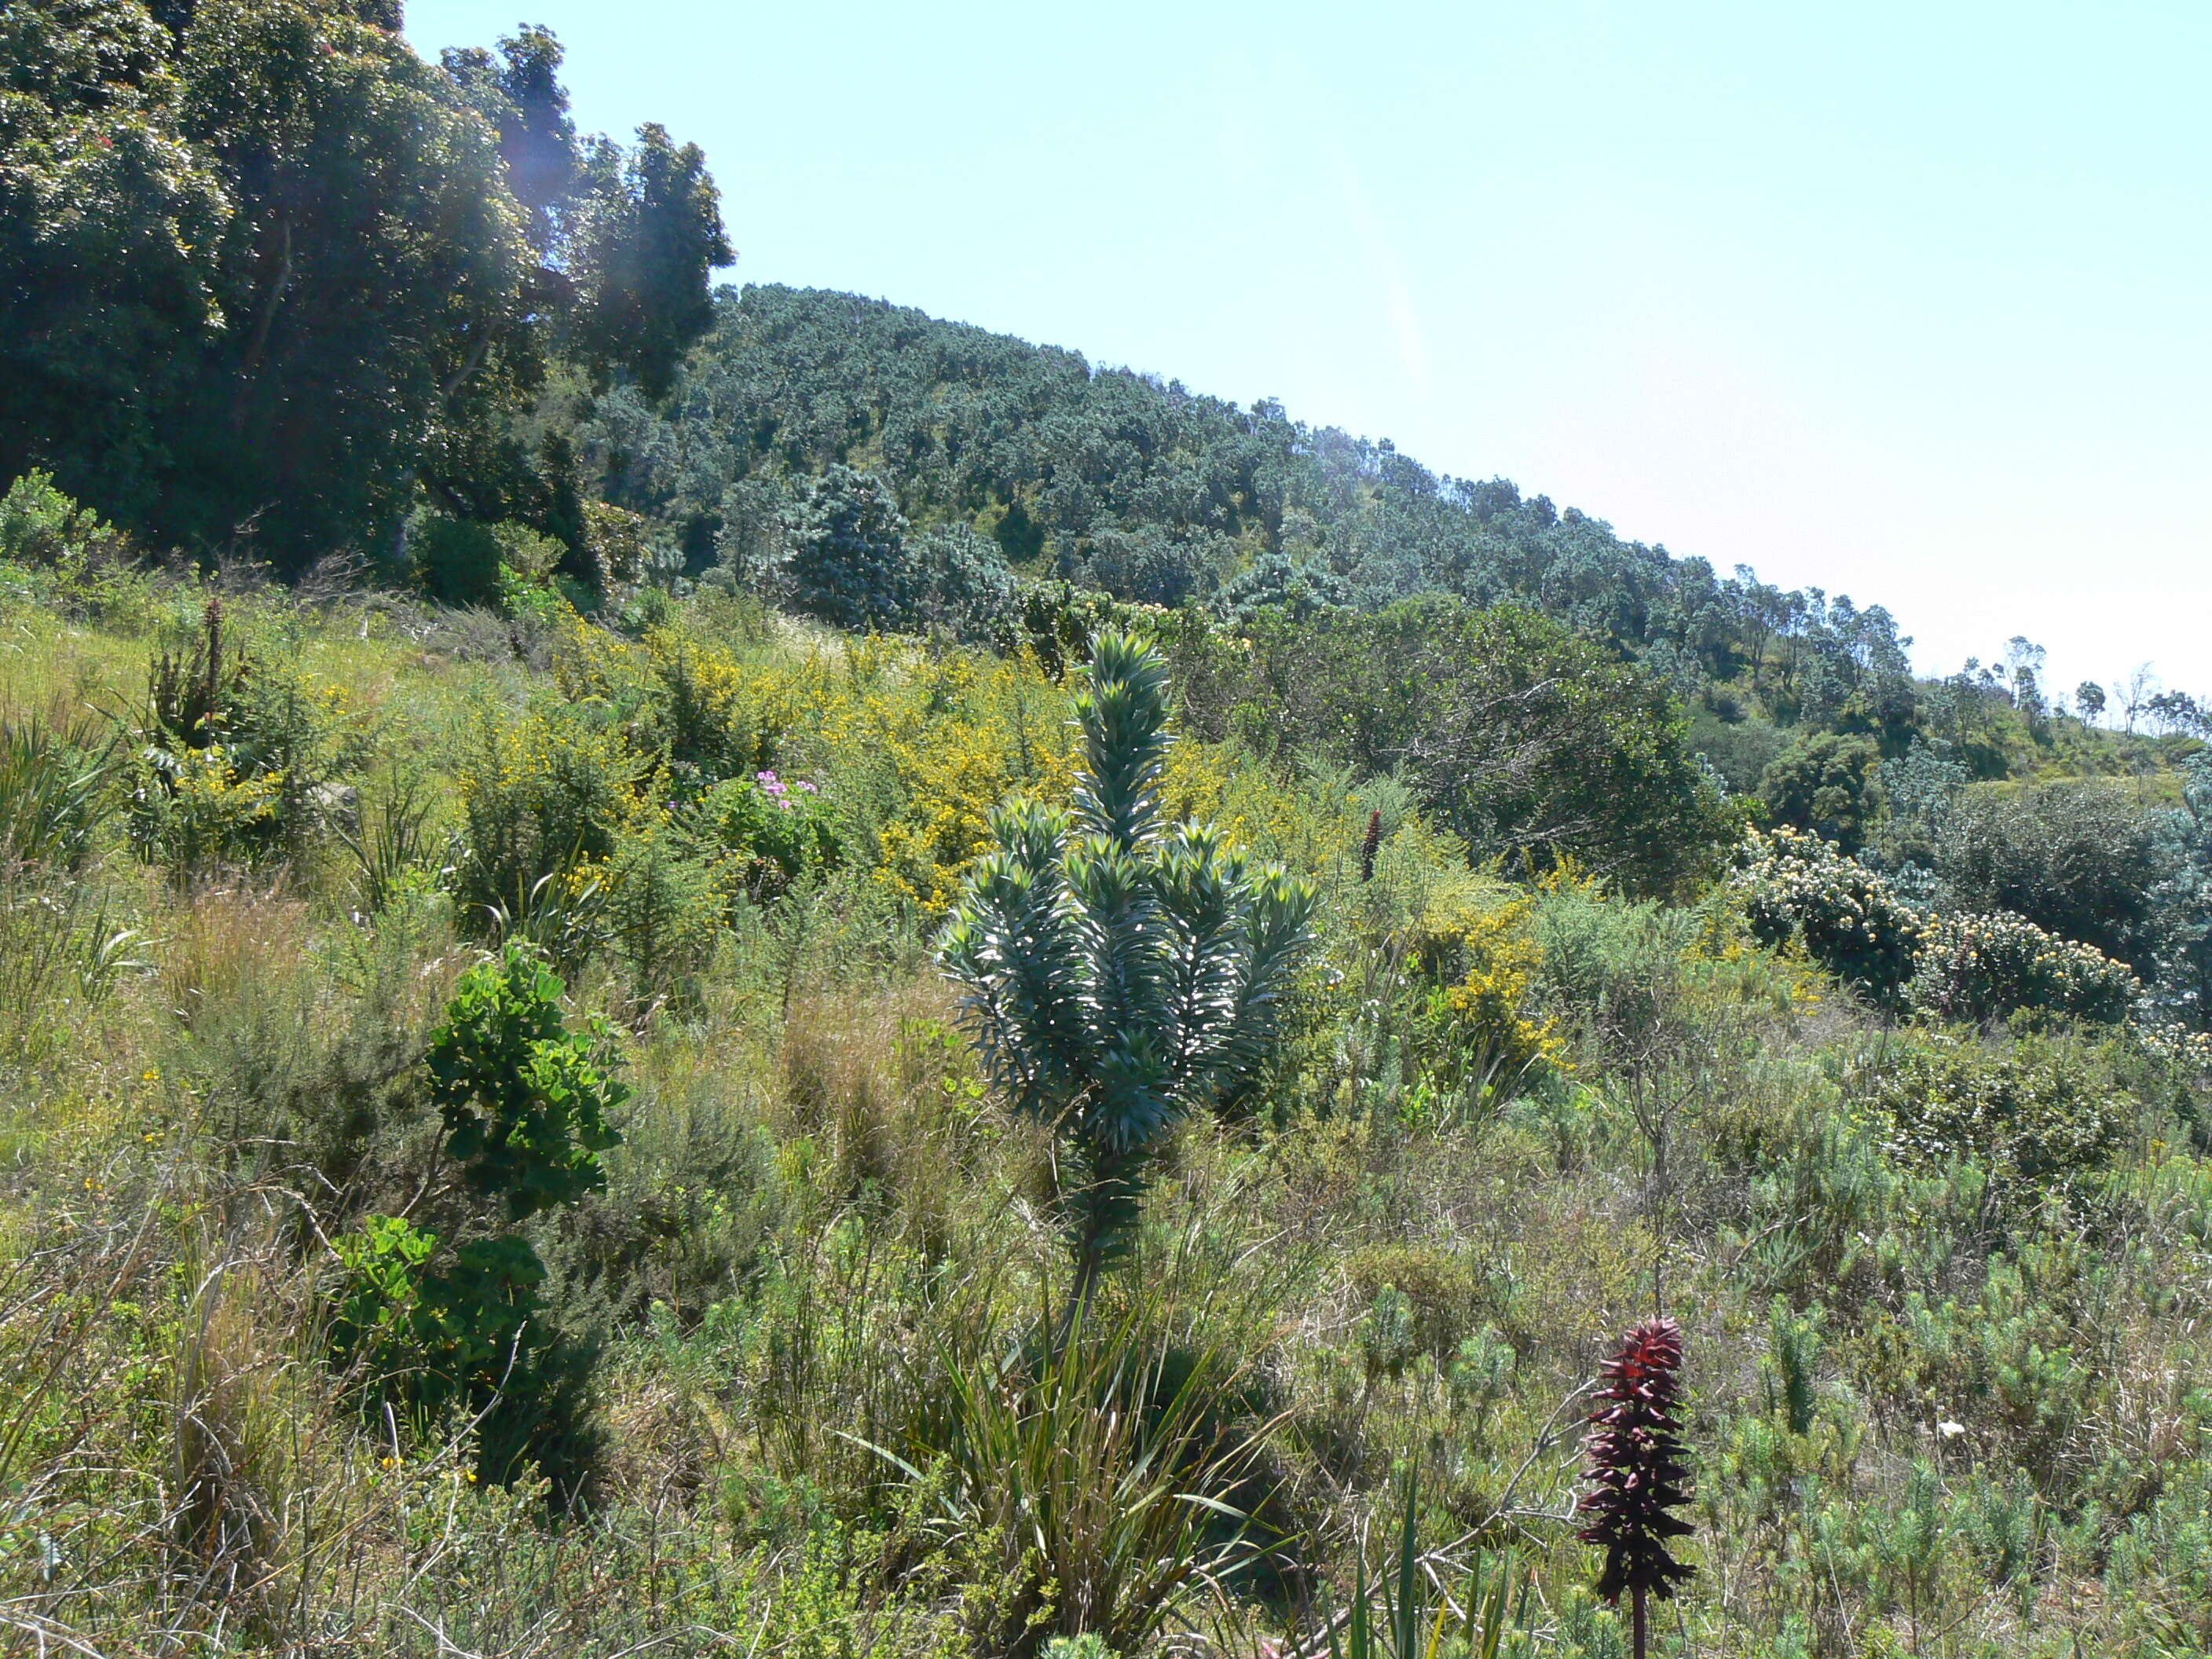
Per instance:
x=1370, y=843
x=1637, y=1470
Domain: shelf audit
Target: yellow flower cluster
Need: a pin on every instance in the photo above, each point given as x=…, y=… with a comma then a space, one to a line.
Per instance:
x=1492, y=1008
x=919, y=749
x=948, y=741
x=209, y=809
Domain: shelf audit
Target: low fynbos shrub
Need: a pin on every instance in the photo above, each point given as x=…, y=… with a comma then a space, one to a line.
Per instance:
x=1796, y=886
x=1987, y=967
x=434, y=1326
x=769, y=829
x=663, y=910
x=525, y=1099
x=713, y=713
x=1964, y=967
x=435, y=1335
x=2188, y=1053
x=239, y=755
x=2031, y=1117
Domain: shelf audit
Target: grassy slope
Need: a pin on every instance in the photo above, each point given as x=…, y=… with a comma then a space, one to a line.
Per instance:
x=1930, y=1418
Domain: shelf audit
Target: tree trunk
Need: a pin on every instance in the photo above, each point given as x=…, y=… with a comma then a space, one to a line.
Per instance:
x=257, y=347
x=1103, y=1201
x=469, y=365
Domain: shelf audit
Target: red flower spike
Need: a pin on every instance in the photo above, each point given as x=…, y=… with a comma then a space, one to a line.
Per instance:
x=1637, y=1468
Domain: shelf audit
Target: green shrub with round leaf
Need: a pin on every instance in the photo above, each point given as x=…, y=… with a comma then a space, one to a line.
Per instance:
x=524, y=1099
x=773, y=830
x=434, y=1326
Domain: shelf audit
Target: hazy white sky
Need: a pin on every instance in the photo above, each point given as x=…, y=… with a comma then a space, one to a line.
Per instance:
x=1909, y=302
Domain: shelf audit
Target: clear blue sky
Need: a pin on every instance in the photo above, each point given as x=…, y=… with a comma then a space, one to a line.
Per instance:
x=1907, y=301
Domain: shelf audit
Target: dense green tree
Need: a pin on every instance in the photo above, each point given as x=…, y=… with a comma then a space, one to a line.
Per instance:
x=244, y=263
x=1739, y=750
x=372, y=260
x=1275, y=579
x=2077, y=860
x=263, y=269
x=1533, y=741
x=844, y=543
x=1827, y=784
x=649, y=231
x=109, y=220
x=1148, y=565
x=1920, y=789
x=961, y=584
x=2180, y=901
x=520, y=93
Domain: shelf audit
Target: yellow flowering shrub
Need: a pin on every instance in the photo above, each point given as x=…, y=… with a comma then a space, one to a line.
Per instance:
x=915, y=751
x=1195, y=784
x=201, y=807
x=914, y=748
x=942, y=743
x=691, y=702
x=1481, y=942
x=544, y=792
x=1313, y=826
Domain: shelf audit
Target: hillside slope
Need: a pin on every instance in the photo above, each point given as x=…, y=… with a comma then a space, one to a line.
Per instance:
x=1158, y=493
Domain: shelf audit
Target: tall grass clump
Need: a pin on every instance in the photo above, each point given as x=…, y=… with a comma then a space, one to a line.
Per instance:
x=1415, y=1604
x=1101, y=1481
x=57, y=790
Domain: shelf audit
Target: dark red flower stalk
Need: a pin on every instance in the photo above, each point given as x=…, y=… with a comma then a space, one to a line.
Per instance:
x=1637, y=1470
x=1368, y=844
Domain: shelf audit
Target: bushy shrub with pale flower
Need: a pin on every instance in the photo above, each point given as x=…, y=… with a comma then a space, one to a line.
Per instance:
x=2188, y=1052
x=1796, y=886
x=1976, y=967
